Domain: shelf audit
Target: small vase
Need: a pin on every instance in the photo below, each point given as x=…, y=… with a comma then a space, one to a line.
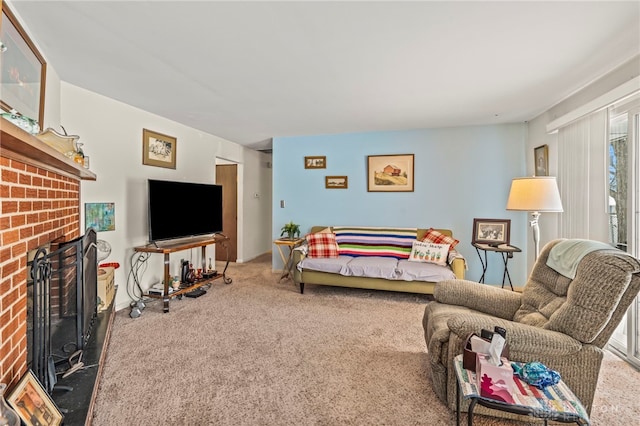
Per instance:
x=8, y=417
x=79, y=155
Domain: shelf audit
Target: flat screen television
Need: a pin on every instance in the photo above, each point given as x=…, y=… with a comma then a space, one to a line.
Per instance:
x=183, y=209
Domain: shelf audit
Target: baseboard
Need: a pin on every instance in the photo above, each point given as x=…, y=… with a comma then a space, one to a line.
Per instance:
x=253, y=258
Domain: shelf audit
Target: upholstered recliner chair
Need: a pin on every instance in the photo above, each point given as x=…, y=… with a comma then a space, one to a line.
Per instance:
x=562, y=322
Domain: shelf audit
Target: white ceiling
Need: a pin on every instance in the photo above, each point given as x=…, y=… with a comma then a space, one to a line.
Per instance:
x=251, y=71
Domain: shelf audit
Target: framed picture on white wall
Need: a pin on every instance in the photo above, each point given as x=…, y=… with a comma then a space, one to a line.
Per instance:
x=541, y=156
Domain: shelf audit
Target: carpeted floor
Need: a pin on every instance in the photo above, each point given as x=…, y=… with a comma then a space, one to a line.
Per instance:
x=256, y=352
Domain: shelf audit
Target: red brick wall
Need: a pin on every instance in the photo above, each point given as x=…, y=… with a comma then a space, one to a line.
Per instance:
x=36, y=206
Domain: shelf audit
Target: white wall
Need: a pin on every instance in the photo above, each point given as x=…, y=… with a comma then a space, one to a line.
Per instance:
x=538, y=135
x=112, y=135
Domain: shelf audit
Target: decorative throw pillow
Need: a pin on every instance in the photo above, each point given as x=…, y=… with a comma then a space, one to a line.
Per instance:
x=437, y=237
x=322, y=245
x=429, y=252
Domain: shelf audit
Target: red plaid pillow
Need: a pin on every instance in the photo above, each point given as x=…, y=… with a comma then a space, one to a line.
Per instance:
x=322, y=245
x=437, y=237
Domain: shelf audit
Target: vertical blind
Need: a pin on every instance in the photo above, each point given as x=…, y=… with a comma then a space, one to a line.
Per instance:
x=582, y=177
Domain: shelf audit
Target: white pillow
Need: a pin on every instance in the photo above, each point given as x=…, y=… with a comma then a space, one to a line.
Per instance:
x=429, y=252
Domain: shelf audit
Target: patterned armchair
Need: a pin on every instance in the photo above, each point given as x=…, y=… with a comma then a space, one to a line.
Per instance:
x=561, y=322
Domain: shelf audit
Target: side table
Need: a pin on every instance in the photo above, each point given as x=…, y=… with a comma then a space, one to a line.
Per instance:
x=506, y=251
x=287, y=260
x=556, y=402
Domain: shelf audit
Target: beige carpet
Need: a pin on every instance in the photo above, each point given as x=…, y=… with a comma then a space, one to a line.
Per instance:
x=256, y=352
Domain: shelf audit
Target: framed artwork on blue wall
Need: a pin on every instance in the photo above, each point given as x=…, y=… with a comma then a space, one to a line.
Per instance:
x=390, y=173
x=336, y=182
x=315, y=162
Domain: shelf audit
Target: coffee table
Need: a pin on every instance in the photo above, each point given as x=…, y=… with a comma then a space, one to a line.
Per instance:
x=555, y=402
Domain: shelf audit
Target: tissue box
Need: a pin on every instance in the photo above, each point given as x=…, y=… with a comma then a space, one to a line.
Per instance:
x=495, y=381
x=469, y=355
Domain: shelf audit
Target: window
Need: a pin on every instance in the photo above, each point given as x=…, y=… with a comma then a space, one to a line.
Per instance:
x=624, y=205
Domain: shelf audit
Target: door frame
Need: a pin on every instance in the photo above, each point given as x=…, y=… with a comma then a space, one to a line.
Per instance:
x=240, y=206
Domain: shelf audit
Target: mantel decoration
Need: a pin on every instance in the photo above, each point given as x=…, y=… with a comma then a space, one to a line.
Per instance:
x=158, y=150
x=390, y=173
x=23, y=71
x=66, y=144
x=25, y=123
x=34, y=406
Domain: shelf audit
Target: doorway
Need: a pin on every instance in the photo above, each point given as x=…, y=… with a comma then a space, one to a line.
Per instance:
x=227, y=176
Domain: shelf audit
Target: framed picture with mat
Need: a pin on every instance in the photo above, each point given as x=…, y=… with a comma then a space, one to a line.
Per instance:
x=493, y=232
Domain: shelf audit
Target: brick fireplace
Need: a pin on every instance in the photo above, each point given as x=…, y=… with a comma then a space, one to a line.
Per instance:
x=38, y=206
x=39, y=203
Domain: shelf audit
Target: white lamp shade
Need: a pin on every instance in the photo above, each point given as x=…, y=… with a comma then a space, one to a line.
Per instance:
x=534, y=194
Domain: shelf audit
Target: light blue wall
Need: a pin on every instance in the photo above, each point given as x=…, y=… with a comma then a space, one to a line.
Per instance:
x=460, y=174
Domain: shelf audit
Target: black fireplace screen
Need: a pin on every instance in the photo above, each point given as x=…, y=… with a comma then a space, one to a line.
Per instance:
x=64, y=304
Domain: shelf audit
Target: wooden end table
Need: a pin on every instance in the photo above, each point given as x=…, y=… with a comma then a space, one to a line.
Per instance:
x=287, y=260
x=556, y=402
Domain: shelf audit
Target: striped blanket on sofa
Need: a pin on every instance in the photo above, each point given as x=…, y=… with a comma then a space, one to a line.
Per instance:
x=375, y=241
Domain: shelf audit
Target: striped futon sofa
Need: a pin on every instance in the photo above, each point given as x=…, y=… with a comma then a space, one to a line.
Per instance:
x=375, y=258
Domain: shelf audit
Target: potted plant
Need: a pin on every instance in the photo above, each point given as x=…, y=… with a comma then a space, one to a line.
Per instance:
x=291, y=229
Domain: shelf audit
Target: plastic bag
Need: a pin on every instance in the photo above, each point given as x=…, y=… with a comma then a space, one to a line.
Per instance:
x=536, y=374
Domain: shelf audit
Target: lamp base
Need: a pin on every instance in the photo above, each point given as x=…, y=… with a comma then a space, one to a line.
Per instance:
x=536, y=231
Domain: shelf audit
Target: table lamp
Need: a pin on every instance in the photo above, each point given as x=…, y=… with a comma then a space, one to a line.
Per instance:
x=535, y=194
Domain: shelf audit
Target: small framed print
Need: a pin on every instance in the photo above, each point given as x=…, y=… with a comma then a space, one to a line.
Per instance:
x=158, y=150
x=315, y=162
x=336, y=182
x=100, y=216
x=493, y=232
x=541, y=156
x=33, y=404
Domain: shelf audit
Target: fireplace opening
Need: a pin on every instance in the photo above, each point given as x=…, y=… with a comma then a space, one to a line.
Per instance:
x=61, y=305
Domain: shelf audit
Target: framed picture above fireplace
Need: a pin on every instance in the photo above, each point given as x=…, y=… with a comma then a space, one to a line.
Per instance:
x=22, y=70
x=33, y=404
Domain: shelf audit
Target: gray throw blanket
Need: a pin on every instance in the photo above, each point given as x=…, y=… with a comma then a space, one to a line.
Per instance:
x=565, y=256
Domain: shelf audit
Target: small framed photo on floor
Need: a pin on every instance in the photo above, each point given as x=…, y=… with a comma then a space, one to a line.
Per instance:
x=33, y=404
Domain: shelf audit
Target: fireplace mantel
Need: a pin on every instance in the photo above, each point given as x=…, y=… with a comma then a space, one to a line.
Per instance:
x=20, y=145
